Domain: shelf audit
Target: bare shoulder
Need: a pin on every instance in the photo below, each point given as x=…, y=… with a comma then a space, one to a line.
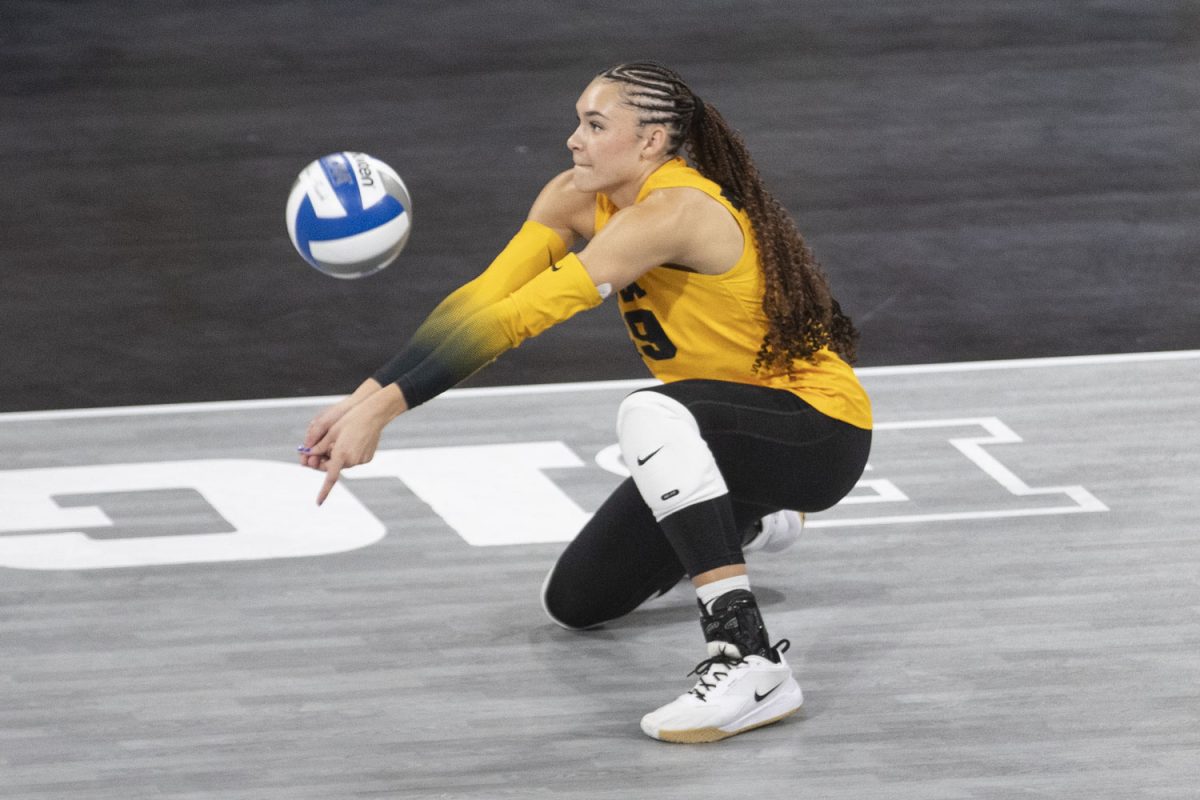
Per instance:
x=707, y=237
x=681, y=227
x=684, y=204
x=565, y=209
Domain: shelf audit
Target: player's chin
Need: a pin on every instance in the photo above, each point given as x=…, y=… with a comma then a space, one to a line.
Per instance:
x=583, y=178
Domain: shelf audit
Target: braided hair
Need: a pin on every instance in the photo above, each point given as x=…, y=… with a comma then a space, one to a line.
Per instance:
x=801, y=312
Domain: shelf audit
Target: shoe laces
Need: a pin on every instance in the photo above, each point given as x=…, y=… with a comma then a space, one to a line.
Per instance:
x=716, y=668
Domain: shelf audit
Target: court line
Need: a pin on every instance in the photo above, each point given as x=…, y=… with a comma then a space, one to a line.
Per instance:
x=949, y=516
x=585, y=386
x=996, y=432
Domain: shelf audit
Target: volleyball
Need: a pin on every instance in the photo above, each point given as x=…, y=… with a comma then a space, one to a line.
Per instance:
x=349, y=215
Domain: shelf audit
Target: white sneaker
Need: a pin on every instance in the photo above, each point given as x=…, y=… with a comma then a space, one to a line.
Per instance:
x=776, y=532
x=733, y=696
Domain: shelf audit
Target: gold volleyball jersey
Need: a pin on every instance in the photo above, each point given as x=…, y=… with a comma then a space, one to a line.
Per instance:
x=689, y=325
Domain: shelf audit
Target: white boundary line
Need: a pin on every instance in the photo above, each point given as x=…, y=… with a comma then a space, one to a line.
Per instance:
x=585, y=386
x=1030, y=363
x=973, y=448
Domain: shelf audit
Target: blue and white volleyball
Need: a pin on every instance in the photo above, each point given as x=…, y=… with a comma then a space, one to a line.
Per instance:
x=349, y=214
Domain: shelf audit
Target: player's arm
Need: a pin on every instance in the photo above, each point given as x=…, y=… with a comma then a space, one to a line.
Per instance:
x=554, y=296
x=564, y=209
x=635, y=240
x=558, y=217
x=558, y=293
x=535, y=247
x=469, y=328
x=661, y=229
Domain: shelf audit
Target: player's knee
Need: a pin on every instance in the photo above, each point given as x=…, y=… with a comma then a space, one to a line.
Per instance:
x=643, y=414
x=666, y=454
x=567, y=609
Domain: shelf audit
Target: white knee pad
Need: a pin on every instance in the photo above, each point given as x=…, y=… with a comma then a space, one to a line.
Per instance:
x=669, y=461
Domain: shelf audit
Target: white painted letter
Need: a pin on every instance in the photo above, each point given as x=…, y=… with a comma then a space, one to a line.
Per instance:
x=489, y=494
x=271, y=506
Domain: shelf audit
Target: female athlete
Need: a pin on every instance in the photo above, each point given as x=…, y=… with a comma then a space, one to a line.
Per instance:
x=758, y=410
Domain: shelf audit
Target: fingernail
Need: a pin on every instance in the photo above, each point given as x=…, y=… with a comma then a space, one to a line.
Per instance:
x=303, y=449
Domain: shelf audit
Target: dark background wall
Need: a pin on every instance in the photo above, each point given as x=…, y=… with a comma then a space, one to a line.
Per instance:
x=981, y=179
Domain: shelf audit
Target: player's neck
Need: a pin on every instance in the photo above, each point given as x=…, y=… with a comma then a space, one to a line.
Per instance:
x=627, y=193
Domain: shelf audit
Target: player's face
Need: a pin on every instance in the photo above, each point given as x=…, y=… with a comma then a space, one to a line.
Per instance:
x=607, y=146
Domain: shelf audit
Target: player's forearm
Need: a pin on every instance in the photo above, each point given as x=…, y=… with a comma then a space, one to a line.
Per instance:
x=385, y=404
x=534, y=248
x=552, y=297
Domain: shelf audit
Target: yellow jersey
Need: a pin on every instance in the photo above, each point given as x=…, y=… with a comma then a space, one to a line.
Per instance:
x=689, y=325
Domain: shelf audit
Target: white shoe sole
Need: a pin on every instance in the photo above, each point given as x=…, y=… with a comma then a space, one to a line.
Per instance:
x=787, y=702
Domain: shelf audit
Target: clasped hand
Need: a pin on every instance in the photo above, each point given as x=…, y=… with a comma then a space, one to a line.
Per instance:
x=345, y=435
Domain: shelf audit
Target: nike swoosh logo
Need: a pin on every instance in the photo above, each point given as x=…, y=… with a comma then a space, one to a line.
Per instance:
x=642, y=461
x=758, y=698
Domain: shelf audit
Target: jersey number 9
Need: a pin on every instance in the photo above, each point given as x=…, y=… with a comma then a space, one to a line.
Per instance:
x=645, y=327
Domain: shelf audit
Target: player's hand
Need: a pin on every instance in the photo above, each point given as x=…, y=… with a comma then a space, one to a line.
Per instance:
x=348, y=442
x=323, y=422
x=319, y=428
x=347, y=433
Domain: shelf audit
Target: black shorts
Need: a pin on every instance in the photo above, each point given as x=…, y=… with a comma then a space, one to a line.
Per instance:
x=774, y=450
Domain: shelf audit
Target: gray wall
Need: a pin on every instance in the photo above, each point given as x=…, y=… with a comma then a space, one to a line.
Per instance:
x=981, y=179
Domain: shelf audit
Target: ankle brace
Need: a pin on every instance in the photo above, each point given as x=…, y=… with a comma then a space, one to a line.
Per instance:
x=735, y=619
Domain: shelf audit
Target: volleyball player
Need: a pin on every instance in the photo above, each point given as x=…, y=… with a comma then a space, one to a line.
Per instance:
x=759, y=409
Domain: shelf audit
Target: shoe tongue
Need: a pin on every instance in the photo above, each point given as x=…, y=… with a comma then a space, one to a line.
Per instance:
x=723, y=649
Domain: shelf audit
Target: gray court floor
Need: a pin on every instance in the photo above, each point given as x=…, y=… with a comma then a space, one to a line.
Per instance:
x=1007, y=606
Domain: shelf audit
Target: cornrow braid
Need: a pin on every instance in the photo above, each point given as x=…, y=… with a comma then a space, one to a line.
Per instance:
x=801, y=312
x=660, y=94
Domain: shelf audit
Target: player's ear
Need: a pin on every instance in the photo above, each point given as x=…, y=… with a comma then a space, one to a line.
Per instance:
x=655, y=141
